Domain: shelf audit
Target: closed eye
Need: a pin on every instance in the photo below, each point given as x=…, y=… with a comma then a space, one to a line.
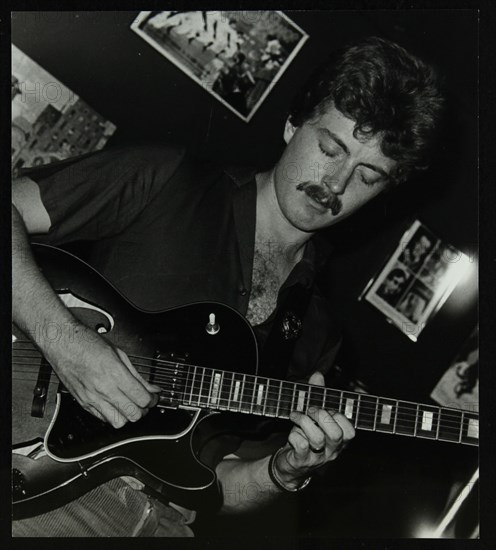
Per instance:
x=327, y=153
x=370, y=181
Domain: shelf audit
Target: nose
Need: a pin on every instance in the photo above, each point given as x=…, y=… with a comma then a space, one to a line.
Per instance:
x=337, y=177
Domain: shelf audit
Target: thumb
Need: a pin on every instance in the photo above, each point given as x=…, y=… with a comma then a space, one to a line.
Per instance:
x=317, y=379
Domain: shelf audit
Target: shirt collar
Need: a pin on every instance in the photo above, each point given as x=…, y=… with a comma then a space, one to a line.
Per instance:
x=317, y=250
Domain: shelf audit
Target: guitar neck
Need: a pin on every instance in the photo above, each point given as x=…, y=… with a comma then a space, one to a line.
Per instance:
x=227, y=391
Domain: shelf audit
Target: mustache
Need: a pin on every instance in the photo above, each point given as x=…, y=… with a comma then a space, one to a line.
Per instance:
x=322, y=194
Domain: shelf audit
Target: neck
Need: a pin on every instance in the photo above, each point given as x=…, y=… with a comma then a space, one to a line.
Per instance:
x=271, y=224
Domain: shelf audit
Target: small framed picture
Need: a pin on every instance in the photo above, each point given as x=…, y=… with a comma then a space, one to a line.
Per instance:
x=416, y=280
x=237, y=56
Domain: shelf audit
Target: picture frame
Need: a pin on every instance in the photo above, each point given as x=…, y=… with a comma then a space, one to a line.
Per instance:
x=416, y=280
x=236, y=56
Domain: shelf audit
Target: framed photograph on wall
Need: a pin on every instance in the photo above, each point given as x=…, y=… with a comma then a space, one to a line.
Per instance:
x=237, y=56
x=416, y=280
x=49, y=121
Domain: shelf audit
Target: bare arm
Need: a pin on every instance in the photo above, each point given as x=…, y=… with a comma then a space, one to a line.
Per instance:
x=100, y=376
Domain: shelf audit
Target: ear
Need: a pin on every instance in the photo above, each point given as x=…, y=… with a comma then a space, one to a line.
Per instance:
x=289, y=130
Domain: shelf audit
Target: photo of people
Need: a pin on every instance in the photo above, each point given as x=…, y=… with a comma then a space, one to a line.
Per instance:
x=414, y=302
x=417, y=250
x=416, y=280
x=394, y=285
x=237, y=56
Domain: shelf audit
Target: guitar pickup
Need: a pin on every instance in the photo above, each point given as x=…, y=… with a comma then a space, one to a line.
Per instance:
x=168, y=373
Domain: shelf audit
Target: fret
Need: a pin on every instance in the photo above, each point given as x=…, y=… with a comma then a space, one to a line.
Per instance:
x=461, y=428
x=449, y=425
x=376, y=410
x=366, y=412
x=252, y=400
x=230, y=392
x=242, y=393
x=340, y=402
x=405, y=418
x=309, y=395
x=395, y=416
x=316, y=397
x=266, y=398
x=279, y=398
x=271, y=401
x=438, y=422
x=200, y=389
x=416, y=420
x=384, y=415
x=357, y=410
x=293, y=399
x=285, y=401
x=333, y=399
x=225, y=390
x=184, y=398
x=210, y=386
x=192, y=387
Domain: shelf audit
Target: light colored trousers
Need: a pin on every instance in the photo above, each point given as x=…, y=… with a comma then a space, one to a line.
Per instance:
x=113, y=509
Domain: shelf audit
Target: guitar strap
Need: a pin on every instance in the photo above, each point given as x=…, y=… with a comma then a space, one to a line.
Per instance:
x=286, y=329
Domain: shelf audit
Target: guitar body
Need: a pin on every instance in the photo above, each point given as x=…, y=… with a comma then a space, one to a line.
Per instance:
x=161, y=449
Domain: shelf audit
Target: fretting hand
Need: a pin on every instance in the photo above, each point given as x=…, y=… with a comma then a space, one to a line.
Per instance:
x=317, y=438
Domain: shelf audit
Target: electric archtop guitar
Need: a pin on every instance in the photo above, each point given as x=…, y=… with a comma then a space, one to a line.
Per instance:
x=204, y=357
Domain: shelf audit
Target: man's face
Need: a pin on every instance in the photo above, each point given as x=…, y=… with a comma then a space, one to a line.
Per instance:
x=392, y=284
x=325, y=173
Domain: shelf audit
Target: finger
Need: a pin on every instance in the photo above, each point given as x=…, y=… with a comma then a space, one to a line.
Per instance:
x=328, y=424
x=153, y=388
x=345, y=425
x=134, y=385
x=317, y=379
x=314, y=434
x=121, y=406
x=299, y=443
x=107, y=412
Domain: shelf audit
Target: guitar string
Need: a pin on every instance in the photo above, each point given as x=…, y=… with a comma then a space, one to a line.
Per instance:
x=189, y=365
x=208, y=378
x=366, y=410
x=378, y=428
x=176, y=364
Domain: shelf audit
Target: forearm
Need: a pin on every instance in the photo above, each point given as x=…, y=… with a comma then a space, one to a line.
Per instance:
x=36, y=309
x=246, y=485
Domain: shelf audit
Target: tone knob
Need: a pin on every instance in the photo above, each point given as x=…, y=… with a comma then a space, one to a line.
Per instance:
x=212, y=326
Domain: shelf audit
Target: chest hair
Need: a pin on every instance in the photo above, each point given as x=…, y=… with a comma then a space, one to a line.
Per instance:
x=270, y=269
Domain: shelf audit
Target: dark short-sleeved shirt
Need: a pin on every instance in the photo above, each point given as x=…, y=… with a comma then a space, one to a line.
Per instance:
x=167, y=229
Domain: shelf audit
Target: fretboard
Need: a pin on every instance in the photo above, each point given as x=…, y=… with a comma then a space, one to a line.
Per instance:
x=257, y=395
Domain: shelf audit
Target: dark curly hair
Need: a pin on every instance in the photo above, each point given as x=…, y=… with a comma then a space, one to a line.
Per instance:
x=386, y=91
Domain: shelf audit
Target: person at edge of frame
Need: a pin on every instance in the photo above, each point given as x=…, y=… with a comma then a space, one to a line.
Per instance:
x=161, y=224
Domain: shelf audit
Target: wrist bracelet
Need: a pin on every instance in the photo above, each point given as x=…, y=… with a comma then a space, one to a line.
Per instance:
x=275, y=478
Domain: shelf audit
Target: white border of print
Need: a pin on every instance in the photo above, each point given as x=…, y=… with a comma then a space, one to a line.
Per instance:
x=296, y=49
